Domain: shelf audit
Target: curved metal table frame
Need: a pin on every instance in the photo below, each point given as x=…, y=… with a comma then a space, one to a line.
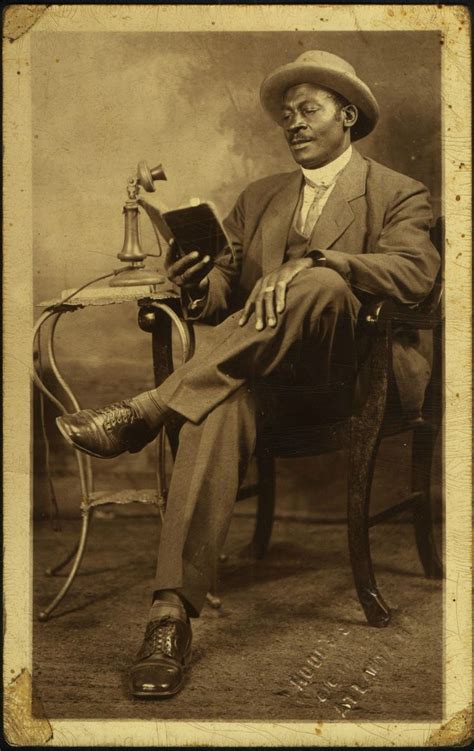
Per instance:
x=155, y=317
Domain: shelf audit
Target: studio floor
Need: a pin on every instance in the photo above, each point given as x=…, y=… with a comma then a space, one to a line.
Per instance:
x=290, y=641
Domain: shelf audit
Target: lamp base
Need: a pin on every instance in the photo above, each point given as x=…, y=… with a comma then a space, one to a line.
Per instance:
x=134, y=276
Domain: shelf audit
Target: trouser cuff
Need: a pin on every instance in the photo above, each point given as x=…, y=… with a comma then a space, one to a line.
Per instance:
x=193, y=588
x=150, y=408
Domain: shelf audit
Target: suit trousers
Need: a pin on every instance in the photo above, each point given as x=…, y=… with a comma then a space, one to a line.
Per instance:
x=312, y=346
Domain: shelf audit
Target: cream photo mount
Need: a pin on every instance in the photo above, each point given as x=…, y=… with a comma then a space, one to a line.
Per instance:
x=21, y=725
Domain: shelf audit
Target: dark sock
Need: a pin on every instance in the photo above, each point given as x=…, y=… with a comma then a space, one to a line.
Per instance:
x=167, y=602
x=150, y=409
x=167, y=595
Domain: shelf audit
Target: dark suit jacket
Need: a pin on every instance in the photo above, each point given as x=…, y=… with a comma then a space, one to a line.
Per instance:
x=374, y=231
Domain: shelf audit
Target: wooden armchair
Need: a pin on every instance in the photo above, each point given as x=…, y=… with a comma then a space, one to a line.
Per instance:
x=361, y=434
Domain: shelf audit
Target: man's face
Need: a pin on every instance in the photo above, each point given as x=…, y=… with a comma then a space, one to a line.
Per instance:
x=313, y=125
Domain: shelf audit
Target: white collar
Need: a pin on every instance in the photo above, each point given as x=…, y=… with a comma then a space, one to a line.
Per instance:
x=326, y=175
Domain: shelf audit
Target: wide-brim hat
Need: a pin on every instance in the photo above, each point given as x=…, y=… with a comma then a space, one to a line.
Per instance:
x=329, y=71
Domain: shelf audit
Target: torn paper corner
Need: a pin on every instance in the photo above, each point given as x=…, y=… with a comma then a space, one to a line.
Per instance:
x=457, y=731
x=18, y=19
x=463, y=14
x=20, y=727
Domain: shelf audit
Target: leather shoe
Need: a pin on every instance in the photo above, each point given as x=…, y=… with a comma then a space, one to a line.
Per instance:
x=107, y=432
x=159, y=670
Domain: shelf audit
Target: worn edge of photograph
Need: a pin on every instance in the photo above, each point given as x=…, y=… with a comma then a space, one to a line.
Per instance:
x=22, y=726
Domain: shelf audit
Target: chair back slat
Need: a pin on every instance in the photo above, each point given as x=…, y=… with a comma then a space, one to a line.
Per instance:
x=432, y=303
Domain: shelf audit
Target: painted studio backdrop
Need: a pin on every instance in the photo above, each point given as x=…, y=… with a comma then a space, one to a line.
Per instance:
x=102, y=102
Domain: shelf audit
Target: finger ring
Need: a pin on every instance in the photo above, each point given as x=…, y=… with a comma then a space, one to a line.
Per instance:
x=269, y=289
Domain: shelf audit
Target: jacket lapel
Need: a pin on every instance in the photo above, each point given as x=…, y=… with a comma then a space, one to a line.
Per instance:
x=337, y=214
x=276, y=222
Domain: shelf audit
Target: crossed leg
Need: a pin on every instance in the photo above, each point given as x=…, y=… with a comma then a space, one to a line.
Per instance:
x=215, y=391
x=215, y=394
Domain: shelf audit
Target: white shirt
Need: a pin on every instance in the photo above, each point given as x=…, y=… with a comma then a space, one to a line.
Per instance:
x=326, y=176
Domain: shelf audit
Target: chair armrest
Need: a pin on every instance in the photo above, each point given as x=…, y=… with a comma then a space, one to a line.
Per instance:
x=378, y=314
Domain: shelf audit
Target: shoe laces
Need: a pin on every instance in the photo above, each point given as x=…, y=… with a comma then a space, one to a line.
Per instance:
x=161, y=636
x=118, y=414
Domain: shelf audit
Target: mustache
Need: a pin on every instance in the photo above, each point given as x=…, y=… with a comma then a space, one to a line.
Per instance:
x=300, y=139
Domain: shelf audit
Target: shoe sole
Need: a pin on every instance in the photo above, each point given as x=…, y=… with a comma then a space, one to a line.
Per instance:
x=71, y=443
x=155, y=695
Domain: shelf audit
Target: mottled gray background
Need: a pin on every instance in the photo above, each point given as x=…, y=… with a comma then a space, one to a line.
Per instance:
x=102, y=102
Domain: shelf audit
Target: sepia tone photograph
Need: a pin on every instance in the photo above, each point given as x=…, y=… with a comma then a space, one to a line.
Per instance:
x=238, y=376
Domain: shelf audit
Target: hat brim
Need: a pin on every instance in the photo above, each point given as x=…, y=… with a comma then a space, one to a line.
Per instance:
x=350, y=87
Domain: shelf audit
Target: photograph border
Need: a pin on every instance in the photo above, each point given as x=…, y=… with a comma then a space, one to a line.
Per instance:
x=20, y=23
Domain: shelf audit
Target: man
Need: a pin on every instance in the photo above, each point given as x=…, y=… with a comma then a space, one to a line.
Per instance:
x=307, y=248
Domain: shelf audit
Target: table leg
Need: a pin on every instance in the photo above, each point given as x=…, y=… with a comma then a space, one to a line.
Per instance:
x=53, y=570
x=83, y=462
x=36, y=379
x=86, y=515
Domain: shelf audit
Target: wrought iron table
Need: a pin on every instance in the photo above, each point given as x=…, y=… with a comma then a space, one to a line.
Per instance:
x=157, y=312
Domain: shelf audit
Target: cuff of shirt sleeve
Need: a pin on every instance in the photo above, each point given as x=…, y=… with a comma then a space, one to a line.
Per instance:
x=193, y=306
x=318, y=257
x=336, y=260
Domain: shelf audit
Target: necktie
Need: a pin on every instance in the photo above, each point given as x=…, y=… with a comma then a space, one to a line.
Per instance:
x=314, y=210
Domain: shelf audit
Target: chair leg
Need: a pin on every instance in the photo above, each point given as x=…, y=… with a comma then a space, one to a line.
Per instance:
x=265, y=504
x=44, y=614
x=363, y=454
x=424, y=440
x=213, y=599
x=364, y=441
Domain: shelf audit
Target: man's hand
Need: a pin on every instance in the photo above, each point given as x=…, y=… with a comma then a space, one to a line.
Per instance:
x=268, y=297
x=188, y=272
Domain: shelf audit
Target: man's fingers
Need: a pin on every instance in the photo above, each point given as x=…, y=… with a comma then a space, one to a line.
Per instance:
x=178, y=267
x=185, y=262
x=269, y=301
x=280, y=291
x=262, y=301
x=259, y=319
x=247, y=311
x=196, y=272
x=249, y=305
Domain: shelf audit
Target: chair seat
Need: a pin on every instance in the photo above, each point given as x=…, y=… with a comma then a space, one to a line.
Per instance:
x=322, y=439
x=301, y=440
x=301, y=425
